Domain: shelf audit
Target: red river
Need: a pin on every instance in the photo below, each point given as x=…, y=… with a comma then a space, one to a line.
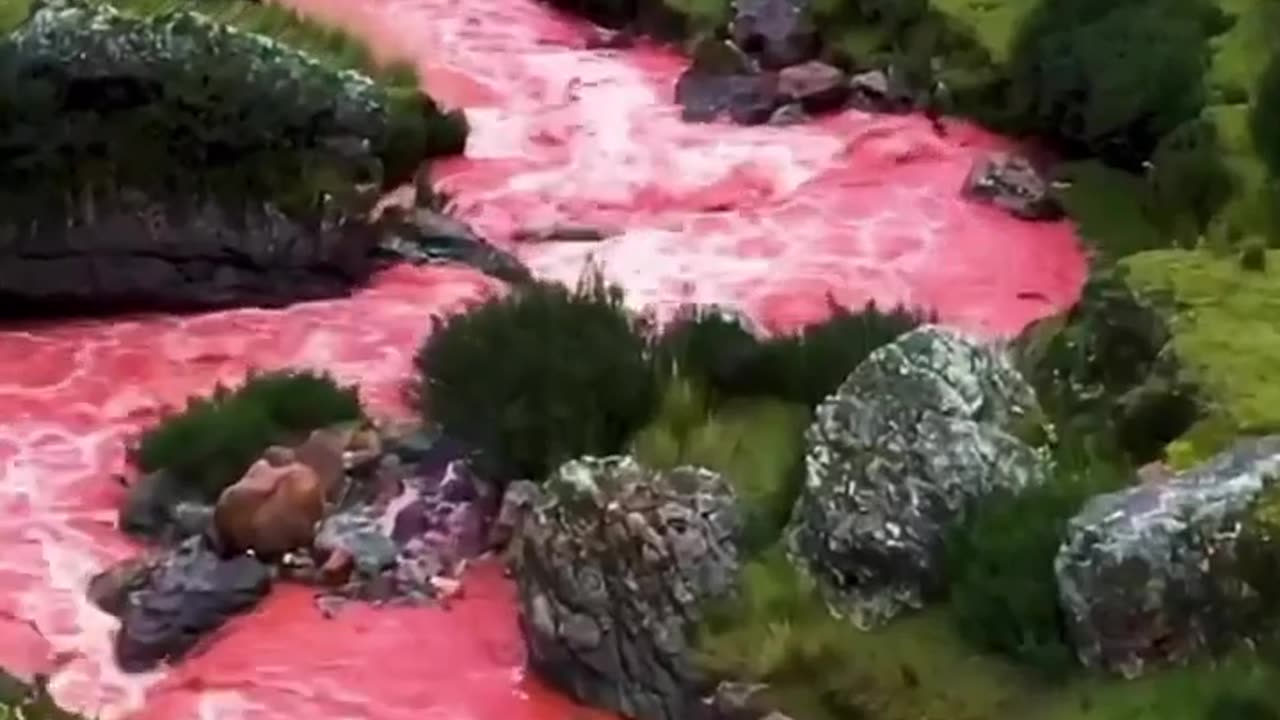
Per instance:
x=769, y=220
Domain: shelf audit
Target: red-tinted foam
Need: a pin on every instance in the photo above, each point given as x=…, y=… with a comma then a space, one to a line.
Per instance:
x=771, y=220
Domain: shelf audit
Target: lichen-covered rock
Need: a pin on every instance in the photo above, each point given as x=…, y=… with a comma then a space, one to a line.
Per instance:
x=1012, y=183
x=1152, y=574
x=615, y=563
x=922, y=428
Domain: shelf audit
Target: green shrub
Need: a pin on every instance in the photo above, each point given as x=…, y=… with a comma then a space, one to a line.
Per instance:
x=801, y=368
x=1107, y=369
x=1264, y=118
x=1190, y=182
x=540, y=376
x=1003, y=593
x=1230, y=706
x=1111, y=78
x=758, y=445
x=211, y=443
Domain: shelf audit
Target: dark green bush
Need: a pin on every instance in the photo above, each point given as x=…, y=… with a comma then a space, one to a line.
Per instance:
x=1003, y=593
x=1189, y=181
x=540, y=376
x=1111, y=78
x=214, y=440
x=1107, y=368
x=801, y=368
x=1264, y=118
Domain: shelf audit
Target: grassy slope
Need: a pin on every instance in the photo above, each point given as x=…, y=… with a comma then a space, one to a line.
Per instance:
x=13, y=12
x=1227, y=327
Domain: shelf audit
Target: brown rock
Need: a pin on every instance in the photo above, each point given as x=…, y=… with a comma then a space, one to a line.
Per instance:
x=110, y=589
x=337, y=568
x=817, y=86
x=271, y=510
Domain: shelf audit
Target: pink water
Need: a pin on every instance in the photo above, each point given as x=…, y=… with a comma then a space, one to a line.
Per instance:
x=769, y=220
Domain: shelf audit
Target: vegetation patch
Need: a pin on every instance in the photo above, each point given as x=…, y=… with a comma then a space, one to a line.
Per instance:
x=540, y=376
x=163, y=100
x=802, y=368
x=211, y=443
x=1224, y=326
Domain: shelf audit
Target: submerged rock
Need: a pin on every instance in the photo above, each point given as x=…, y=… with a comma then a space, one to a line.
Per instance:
x=923, y=427
x=615, y=564
x=1153, y=574
x=172, y=602
x=423, y=235
x=1012, y=183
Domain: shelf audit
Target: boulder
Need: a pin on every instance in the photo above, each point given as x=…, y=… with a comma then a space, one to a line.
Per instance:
x=778, y=32
x=615, y=564
x=817, y=86
x=922, y=428
x=357, y=533
x=722, y=81
x=1012, y=183
x=273, y=509
x=876, y=91
x=187, y=593
x=1154, y=573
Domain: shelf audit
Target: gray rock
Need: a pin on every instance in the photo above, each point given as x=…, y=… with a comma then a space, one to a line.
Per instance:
x=425, y=236
x=778, y=32
x=789, y=114
x=1011, y=183
x=923, y=427
x=1149, y=575
x=188, y=593
x=721, y=82
x=160, y=507
x=357, y=532
x=615, y=564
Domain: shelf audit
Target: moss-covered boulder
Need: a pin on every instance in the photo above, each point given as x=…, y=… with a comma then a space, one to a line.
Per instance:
x=1157, y=573
x=171, y=159
x=924, y=427
x=615, y=565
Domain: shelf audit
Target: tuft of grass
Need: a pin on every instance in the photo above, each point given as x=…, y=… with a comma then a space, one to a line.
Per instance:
x=211, y=443
x=757, y=444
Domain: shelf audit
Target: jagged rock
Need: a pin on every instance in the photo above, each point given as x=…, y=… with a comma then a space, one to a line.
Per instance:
x=875, y=91
x=789, y=114
x=423, y=235
x=188, y=592
x=273, y=509
x=722, y=81
x=778, y=32
x=923, y=427
x=817, y=86
x=615, y=563
x=357, y=534
x=1152, y=574
x=1011, y=183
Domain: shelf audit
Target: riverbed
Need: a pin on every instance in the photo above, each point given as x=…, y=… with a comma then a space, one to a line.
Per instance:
x=775, y=222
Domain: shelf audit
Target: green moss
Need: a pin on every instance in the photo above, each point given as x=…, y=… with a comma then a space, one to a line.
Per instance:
x=214, y=440
x=819, y=667
x=13, y=12
x=756, y=444
x=1226, y=325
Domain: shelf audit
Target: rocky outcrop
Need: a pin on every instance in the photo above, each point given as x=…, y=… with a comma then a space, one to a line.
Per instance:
x=127, y=228
x=168, y=602
x=1155, y=573
x=922, y=428
x=615, y=563
x=177, y=254
x=1012, y=183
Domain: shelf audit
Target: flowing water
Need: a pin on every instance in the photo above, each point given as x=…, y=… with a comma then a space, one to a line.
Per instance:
x=773, y=221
